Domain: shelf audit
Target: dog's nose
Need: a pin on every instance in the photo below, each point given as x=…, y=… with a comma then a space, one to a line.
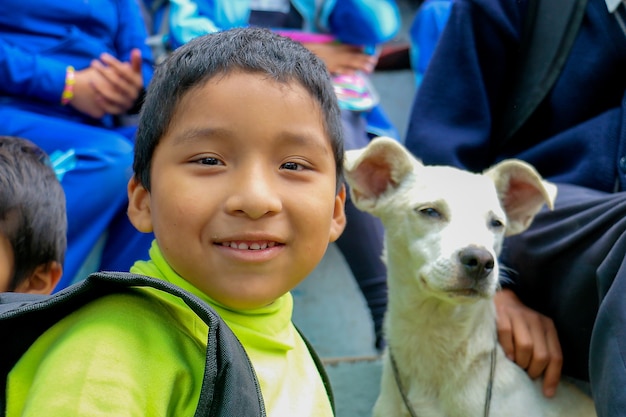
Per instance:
x=477, y=262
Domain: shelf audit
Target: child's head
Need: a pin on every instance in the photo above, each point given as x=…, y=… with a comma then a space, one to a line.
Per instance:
x=238, y=154
x=239, y=50
x=33, y=222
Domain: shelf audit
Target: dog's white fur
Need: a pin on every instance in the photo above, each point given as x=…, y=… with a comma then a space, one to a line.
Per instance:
x=442, y=226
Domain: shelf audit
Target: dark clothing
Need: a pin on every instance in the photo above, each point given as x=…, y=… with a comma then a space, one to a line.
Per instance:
x=576, y=136
x=570, y=265
x=565, y=263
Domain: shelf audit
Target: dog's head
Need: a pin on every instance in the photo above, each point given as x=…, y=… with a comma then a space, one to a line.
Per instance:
x=444, y=227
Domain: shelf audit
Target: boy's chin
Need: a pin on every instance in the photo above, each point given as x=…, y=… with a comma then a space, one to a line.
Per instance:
x=243, y=305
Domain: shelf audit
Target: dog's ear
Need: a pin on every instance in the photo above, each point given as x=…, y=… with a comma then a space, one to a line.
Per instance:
x=371, y=171
x=522, y=192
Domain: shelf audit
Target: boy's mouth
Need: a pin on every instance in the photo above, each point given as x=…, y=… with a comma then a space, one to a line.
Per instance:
x=250, y=245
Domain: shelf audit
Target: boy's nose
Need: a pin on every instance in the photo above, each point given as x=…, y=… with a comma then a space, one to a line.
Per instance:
x=254, y=195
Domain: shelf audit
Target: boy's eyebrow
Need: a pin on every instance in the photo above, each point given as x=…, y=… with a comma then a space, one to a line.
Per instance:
x=194, y=134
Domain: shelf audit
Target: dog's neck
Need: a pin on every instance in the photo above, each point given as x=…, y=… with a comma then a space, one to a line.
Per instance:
x=425, y=325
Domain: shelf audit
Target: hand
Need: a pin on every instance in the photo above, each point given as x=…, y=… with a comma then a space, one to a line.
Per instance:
x=108, y=86
x=119, y=84
x=85, y=96
x=529, y=339
x=342, y=59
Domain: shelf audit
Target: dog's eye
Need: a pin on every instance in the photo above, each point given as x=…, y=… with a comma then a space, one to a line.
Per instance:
x=496, y=223
x=429, y=211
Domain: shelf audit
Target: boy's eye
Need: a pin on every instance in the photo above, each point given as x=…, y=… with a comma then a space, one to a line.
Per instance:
x=210, y=161
x=292, y=166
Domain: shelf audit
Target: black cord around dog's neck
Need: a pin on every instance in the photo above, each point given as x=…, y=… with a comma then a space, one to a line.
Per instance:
x=407, y=404
x=396, y=374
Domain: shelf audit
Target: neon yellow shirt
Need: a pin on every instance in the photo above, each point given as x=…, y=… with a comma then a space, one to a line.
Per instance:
x=142, y=354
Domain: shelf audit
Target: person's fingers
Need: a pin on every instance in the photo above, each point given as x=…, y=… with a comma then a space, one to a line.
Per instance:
x=540, y=355
x=84, y=99
x=357, y=61
x=116, y=94
x=552, y=374
x=343, y=58
x=110, y=73
x=135, y=60
x=117, y=75
x=111, y=107
x=107, y=99
x=366, y=63
x=126, y=76
x=505, y=334
x=344, y=71
x=532, y=339
x=522, y=341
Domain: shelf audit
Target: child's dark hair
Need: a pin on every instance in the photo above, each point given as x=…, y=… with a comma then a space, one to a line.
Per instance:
x=32, y=207
x=253, y=50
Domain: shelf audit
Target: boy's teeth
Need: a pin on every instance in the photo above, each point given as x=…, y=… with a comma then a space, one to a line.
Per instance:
x=252, y=246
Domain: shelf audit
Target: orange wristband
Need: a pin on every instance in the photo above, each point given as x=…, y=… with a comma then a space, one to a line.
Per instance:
x=68, y=91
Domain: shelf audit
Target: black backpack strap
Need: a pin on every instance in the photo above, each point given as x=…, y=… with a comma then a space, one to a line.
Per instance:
x=550, y=28
x=320, y=368
x=229, y=387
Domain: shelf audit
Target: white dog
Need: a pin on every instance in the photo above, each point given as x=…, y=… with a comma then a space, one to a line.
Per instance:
x=444, y=229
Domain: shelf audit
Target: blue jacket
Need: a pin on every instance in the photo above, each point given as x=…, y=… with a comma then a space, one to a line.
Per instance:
x=358, y=22
x=40, y=38
x=578, y=133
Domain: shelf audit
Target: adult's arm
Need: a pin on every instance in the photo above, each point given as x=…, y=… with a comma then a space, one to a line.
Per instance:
x=131, y=35
x=34, y=67
x=452, y=114
x=30, y=75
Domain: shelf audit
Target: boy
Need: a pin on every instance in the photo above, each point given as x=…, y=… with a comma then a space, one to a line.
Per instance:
x=33, y=224
x=238, y=173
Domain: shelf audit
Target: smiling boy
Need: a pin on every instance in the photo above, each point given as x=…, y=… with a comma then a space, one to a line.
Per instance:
x=238, y=174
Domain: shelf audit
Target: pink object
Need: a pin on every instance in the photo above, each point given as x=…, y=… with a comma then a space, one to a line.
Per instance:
x=307, y=37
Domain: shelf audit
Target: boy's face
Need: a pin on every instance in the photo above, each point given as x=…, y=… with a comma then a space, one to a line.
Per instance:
x=243, y=201
x=6, y=263
x=40, y=281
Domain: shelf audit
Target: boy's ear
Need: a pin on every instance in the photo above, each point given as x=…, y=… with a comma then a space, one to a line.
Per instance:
x=43, y=279
x=339, y=215
x=139, y=212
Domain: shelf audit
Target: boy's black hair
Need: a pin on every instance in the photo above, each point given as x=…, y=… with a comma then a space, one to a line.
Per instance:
x=32, y=207
x=253, y=50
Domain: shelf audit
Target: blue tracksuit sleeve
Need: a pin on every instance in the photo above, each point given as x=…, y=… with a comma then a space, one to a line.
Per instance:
x=30, y=75
x=132, y=34
x=364, y=22
x=33, y=67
